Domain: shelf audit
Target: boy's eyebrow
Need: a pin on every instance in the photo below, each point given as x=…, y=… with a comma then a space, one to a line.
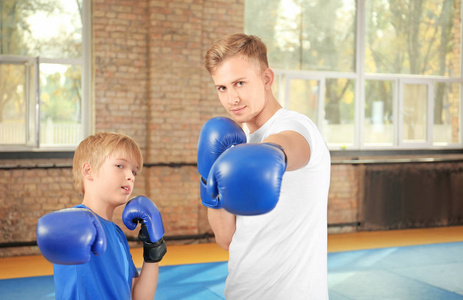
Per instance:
x=120, y=158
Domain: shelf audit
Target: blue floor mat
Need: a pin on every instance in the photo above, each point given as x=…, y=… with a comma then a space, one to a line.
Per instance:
x=416, y=272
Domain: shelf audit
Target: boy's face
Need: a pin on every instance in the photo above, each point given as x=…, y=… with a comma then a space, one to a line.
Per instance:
x=115, y=179
x=241, y=86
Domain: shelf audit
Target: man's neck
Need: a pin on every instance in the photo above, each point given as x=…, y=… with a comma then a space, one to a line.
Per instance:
x=269, y=110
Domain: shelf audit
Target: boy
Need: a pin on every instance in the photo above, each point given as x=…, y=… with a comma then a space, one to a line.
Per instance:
x=90, y=254
x=266, y=197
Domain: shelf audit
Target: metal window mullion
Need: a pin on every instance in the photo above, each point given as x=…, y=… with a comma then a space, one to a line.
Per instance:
x=61, y=61
x=287, y=90
x=430, y=116
x=27, y=101
x=37, y=102
x=460, y=142
x=359, y=115
x=321, y=104
x=398, y=118
x=86, y=109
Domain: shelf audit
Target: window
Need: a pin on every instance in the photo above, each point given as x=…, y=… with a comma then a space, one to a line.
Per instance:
x=44, y=73
x=371, y=74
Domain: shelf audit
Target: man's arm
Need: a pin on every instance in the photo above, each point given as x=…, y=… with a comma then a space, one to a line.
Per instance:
x=296, y=148
x=144, y=286
x=223, y=225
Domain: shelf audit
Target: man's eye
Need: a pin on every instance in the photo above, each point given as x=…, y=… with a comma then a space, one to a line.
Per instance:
x=240, y=83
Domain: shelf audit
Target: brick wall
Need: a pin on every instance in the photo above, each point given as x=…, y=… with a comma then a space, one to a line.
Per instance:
x=345, y=196
x=149, y=82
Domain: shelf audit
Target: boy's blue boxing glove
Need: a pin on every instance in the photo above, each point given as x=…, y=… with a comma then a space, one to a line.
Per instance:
x=247, y=178
x=70, y=236
x=217, y=135
x=142, y=209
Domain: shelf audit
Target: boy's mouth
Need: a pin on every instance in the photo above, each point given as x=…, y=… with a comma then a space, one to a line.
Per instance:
x=126, y=188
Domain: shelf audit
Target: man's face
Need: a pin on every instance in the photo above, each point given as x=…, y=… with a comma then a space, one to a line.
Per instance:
x=241, y=88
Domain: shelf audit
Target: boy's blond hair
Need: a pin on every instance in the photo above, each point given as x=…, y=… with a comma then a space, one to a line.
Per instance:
x=95, y=149
x=249, y=47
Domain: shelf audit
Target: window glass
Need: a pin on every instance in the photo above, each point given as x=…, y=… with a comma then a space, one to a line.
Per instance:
x=446, y=128
x=60, y=109
x=412, y=37
x=304, y=97
x=13, y=104
x=379, y=120
x=414, y=113
x=339, y=126
x=305, y=35
x=410, y=50
x=50, y=33
x=46, y=28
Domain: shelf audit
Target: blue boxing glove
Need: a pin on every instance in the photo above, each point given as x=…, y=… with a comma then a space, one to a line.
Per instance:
x=141, y=209
x=70, y=236
x=217, y=135
x=247, y=178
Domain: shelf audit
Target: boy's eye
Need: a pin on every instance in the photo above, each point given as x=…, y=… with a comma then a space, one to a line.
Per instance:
x=239, y=83
x=120, y=166
x=221, y=88
x=134, y=173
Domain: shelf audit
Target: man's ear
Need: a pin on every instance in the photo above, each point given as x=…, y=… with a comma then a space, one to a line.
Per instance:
x=268, y=78
x=87, y=171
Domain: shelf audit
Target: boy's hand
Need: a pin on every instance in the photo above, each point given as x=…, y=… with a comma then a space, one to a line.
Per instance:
x=70, y=236
x=141, y=209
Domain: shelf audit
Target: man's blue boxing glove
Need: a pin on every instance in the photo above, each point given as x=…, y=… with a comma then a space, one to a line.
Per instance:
x=70, y=236
x=247, y=178
x=217, y=135
x=142, y=210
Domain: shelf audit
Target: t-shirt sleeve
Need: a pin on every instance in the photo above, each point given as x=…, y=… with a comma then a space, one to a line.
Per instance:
x=298, y=126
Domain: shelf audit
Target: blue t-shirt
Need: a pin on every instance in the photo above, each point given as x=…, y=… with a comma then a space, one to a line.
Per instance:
x=108, y=276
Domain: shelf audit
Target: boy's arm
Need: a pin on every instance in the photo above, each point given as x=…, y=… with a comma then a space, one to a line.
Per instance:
x=61, y=243
x=142, y=210
x=223, y=225
x=144, y=286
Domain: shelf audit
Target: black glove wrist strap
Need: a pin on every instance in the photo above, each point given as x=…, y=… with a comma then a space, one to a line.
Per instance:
x=154, y=252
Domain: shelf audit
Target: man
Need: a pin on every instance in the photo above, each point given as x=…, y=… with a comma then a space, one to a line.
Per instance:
x=275, y=230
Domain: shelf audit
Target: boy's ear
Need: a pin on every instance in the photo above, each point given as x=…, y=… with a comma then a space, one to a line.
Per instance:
x=87, y=171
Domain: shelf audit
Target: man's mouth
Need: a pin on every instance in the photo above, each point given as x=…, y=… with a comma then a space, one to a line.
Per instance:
x=237, y=110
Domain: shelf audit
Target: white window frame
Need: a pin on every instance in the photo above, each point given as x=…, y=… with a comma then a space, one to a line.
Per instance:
x=85, y=63
x=284, y=76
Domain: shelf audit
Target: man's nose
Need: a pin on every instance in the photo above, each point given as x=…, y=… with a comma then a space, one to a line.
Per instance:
x=233, y=96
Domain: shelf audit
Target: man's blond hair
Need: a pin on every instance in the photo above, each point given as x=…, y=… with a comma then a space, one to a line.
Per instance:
x=95, y=149
x=250, y=47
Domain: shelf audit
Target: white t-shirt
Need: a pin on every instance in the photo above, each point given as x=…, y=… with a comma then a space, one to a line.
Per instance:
x=283, y=254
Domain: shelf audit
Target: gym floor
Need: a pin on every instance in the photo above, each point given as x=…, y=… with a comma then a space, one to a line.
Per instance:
x=399, y=264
